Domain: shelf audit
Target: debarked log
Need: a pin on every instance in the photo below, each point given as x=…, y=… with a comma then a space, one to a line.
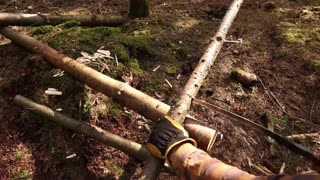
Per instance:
x=20, y=19
x=120, y=92
x=129, y=147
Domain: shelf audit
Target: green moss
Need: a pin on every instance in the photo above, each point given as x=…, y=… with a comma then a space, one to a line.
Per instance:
x=315, y=63
x=299, y=42
x=44, y=78
x=86, y=39
x=114, y=168
x=139, y=46
x=167, y=57
x=69, y=24
x=134, y=65
x=171, y=70
x=102, y=111
x=42, y=30
x=285, y=119
x=18, y=156
x=71, y=88
x=121, y=51
x=88, y=103
x=183, y=52
x=18, y=174
x=235, y=71
x=113, y=109
x=293, y=36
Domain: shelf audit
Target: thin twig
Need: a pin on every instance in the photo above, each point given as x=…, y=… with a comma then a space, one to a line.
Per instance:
x=312, y=107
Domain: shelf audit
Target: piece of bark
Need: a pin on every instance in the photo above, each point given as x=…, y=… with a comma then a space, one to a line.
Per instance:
x=20, y=19
x=244, y=77
x=129, y=147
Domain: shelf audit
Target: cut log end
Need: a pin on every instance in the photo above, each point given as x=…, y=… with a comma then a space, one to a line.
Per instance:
x=245, y=78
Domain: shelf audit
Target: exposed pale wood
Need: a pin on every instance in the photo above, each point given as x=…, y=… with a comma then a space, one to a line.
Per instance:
x=19, y=19
x=129, y=147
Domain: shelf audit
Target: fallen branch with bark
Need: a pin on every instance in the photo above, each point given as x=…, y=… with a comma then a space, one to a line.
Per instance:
x=19, y=19
x=129, y=147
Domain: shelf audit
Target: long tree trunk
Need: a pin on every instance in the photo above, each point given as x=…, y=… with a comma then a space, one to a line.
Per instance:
x=179, y=111
x=139, y=8
x=129, y=147
x=19, y=19
x=122, y=93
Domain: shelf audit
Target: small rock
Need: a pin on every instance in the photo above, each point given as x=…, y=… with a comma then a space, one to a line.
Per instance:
x=180, y=42
x=30, y=8
x=236, y=52
x=240, y=94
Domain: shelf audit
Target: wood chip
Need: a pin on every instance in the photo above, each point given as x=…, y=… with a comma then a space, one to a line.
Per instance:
x=53, y=92
x=170, y=85
x=71, y=156
x=156, y=68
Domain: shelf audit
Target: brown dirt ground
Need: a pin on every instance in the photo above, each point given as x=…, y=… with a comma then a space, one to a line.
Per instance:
x=32, y=148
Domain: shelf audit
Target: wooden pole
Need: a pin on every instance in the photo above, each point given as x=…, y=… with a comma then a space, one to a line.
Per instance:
x=197, y=77
x=129, y=147
x=179, y=111
x=20, y=19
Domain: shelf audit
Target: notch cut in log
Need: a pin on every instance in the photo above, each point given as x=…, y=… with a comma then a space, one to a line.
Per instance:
x=120, y=92
x=19, y=19
x=129, y=147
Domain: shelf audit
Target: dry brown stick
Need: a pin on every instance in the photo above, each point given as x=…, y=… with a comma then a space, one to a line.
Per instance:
x=19, y=19
x=179, y=111
x=311, y=110
x=129, y=147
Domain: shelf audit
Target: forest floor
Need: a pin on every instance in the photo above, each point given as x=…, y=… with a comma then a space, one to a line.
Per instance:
x=281, y=45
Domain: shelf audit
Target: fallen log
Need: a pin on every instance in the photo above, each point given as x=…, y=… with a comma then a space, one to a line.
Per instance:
x=129, y=147
x=19, y=19
x=122, y=93
x=197, y=77
x=191, y=89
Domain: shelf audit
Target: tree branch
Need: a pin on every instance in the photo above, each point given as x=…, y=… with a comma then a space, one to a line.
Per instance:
x=19, y=19
x=129, y=147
